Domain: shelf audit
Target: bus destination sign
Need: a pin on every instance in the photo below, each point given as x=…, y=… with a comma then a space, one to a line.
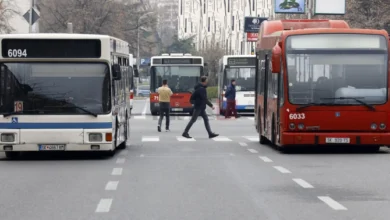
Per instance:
x=244, y=61
x=51, y=48
x=181, y=61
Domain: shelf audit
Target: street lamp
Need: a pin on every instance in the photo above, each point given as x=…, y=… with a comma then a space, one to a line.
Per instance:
x=138, y=27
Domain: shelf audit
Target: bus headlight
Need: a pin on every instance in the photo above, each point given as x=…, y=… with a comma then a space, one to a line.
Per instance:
x=373, y=126
x=292, y=126
x=95, y=137
x=382, y=126
x=301, y=126
x=7, y=137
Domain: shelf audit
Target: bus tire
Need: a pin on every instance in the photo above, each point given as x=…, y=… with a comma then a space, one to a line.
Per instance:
x=262, y=139
x=110, y=153
x=12, y=154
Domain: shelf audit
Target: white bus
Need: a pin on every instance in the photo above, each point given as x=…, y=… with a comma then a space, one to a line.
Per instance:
x=242, y=68
x=183, y=72
x=63, y=92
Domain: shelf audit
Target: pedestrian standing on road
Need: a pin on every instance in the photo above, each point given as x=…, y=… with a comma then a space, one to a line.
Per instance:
x=199, y=100
x=230, y=96
x=164, y=97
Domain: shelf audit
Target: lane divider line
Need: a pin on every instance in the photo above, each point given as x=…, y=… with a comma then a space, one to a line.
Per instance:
x=242, y=144
x=303, y=183
x=332, y=203
x=282, y=169
x=104, y=205
x=117, y=171
x=253, y=151
x=265, y=159
x=112, y=185
x=120, y=160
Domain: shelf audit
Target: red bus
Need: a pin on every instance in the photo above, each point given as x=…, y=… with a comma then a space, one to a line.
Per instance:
x=183, y=72
x=322, y=86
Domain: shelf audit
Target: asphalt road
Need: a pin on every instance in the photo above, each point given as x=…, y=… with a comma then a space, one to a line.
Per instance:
x=161, y=176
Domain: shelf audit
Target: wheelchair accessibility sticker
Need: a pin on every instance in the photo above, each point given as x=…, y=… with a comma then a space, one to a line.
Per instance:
x=14, y=120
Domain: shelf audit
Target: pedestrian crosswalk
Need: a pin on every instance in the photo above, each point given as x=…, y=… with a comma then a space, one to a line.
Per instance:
x=202, y=138
x=187, y=118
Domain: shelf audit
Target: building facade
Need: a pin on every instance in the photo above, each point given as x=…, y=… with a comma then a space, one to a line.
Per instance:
x=167, y=16
x=220, y=22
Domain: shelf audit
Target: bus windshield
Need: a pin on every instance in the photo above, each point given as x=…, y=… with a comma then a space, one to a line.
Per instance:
x=55, y=88
x=244, y=76
x=337, y=78
x=180, y=78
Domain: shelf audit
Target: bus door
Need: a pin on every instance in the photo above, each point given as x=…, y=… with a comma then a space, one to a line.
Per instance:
x=264, y=75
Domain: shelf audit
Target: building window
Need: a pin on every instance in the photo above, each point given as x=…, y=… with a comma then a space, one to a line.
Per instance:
x=215, y=25
x=204, y=5
x=253, y=5
x=232, y=23
x=185, y=25
x=181, y=7
x=228, y=8
x=208, y=24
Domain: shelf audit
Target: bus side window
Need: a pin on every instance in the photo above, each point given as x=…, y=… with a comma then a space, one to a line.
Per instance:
x=262, y=77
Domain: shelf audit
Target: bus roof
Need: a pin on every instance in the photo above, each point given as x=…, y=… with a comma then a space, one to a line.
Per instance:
x=271, y=31
x=56, y=36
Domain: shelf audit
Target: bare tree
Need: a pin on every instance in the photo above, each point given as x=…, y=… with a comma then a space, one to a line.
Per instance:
x=211, y=54
x=7, y=10
x=115, y=18
x=368, y=14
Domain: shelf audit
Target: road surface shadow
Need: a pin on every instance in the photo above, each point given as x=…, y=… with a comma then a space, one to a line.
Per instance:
x=63, y=155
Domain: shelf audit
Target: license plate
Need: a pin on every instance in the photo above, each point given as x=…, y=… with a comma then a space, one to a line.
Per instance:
x=177, y=109
x=337, y=140
x=51, y=147
x=249, y=107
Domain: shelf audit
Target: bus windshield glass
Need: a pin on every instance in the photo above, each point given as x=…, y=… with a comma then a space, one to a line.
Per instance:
x=244, y=76
x=346, y=76
x=180, y=78
x=55, y=88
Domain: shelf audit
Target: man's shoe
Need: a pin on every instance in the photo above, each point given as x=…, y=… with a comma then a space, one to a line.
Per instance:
x=158, y=128
x=186, y=135
x=213, y=135
x=167, y=129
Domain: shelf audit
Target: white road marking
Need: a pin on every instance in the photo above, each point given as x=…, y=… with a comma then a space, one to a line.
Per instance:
x=140, y=117
x=303, y=183
x=150, y=139
x=221, y=138
x=265, y=159
x=112, y=185
x=141, y=155
x=282, y=169
x=117, y=171
x=253, y=151
x=251, y=118
x=184, y=139
x=252, y=138
x=121, y=160
x=242, y=144
x=186, y=118
x=104, y=205
x=332, y=203
x=146, y=106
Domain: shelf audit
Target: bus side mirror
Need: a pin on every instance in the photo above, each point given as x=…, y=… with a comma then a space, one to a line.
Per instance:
x=136, y=73
x=275, y=59
x=116, y=72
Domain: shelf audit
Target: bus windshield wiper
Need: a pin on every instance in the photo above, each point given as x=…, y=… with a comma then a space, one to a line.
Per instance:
x=76, y=107
x=372, y=108
x=20, y=112
x=312, y=104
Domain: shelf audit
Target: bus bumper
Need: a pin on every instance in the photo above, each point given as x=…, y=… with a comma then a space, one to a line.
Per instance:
x=154, y=107
x=57, y=140
x=363, y=139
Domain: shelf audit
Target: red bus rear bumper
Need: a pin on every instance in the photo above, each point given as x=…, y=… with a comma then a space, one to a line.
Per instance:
x=362, y=138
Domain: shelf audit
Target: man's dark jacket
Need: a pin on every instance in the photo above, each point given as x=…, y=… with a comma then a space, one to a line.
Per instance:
x=199, y=97
x=230, y=93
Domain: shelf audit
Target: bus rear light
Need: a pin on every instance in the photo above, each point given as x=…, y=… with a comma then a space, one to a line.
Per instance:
x=292, y=126
x=95, y=147
x=108, y=136
x=382, y=126
x=131, y=95
x=95, y=137
x=301, y=126
x=374, y=126
x=7, y=137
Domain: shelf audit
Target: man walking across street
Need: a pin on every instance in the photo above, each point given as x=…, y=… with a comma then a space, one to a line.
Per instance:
x=230, y=96
x=199, y=99
x=164, y=97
